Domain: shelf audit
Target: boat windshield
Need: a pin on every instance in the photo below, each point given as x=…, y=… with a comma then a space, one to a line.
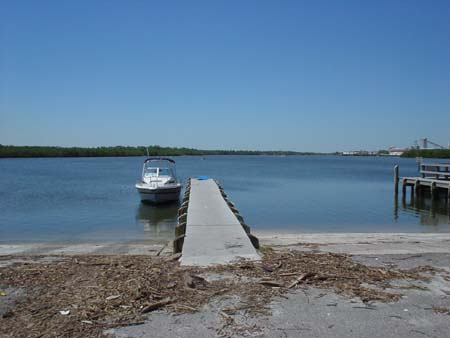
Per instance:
x=149, y=172
x=165, y=172
x=158, y=168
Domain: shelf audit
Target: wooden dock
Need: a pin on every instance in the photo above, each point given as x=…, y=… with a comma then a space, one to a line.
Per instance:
x=439, y=171
x=434, y=177
x=210, y=230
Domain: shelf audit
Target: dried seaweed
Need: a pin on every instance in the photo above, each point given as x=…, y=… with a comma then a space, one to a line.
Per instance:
x=109, y=291
x=442, y=310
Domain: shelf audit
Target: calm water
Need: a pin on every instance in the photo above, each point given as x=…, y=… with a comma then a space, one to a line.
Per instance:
x=94, y=199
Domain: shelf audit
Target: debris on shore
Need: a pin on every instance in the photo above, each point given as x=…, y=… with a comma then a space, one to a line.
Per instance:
x=443, y=310
x=82, y=296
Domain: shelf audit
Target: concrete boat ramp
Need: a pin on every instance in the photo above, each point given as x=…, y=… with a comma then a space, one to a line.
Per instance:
x=214, y=232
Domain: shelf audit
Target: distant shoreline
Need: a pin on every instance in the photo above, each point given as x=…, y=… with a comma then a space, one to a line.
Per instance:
x=9, y=151
x=427, y=153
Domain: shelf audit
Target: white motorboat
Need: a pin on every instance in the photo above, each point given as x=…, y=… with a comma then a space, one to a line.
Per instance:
x=158, y=183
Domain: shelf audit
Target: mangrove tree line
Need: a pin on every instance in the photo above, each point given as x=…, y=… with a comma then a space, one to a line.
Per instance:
x=155, y=150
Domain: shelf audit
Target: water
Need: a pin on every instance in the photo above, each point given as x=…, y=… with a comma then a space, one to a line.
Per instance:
x=94, y=199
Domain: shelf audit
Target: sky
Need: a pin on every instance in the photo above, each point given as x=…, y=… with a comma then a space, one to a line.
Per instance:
x=265, y=75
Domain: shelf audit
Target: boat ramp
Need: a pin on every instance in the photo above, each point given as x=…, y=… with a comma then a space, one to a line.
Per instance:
x=210, y=230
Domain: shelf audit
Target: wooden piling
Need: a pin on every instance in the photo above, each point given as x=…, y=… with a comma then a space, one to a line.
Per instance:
x=180, y=229
x=417, y=187
x=396, y=180
x=178, y=244
x=433, y=190
x=396, y=207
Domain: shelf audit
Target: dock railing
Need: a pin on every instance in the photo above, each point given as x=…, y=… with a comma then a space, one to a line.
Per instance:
x=438, y=171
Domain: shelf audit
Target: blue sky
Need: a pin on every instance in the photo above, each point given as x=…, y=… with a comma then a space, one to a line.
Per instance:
x=297, y=75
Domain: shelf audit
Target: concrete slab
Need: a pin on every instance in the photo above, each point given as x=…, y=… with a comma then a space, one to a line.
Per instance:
x=207, y=206
x=213, y=233
x=208, y=245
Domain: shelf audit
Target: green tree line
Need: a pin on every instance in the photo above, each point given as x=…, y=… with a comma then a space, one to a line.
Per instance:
x=427, y=153
x=155, y=150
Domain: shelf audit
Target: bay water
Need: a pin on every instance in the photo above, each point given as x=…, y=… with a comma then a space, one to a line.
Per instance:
x=94, y=199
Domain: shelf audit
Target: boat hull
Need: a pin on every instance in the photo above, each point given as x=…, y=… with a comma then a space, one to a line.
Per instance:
x=159, y=194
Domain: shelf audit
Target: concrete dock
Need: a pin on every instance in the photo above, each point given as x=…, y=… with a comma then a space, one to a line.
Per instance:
x=213, y=233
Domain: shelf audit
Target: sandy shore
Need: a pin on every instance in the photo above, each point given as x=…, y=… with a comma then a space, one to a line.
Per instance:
x=362, y=243
x=351, y=243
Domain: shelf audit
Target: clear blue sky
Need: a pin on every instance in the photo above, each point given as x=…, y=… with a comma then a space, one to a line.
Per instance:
x=298, y=75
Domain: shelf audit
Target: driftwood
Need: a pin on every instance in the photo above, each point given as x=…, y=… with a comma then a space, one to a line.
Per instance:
x=156, y=305
x=302, y=277
x=271, y=283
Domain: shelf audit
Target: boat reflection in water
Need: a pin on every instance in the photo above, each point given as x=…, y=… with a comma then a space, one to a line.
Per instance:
x=431, y=212
x=158, y=222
